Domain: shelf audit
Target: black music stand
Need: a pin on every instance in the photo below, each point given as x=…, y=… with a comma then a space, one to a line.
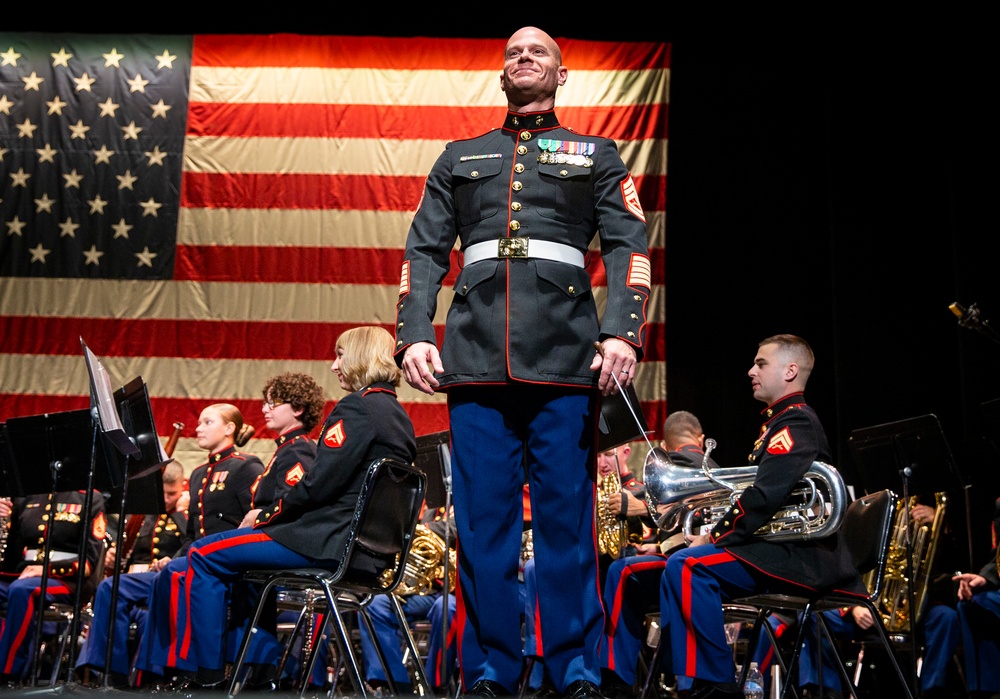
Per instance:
x=139, y=488
x=132, y=453
x=913, y=454
x=50, y=453
x=434, y=460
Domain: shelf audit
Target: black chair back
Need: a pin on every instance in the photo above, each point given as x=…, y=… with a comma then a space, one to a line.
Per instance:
x=382, y=527
x=867, y=530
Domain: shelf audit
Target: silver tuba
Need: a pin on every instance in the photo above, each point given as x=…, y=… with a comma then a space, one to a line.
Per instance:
x=678, y=497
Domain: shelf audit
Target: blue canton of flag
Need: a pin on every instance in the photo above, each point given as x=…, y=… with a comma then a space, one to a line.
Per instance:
x=91, y=144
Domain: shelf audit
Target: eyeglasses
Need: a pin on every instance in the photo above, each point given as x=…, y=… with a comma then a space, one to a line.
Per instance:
x=272, y=404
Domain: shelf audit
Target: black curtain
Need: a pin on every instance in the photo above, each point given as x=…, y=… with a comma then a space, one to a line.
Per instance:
x=839, y=186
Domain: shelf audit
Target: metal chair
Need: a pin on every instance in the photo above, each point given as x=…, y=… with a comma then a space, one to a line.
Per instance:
x=381, y=532
x=867, y=529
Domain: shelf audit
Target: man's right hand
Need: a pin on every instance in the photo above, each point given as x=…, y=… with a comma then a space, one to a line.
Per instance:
x=418, y=361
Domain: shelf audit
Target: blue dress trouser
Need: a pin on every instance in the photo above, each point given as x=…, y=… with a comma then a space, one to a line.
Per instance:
x=980, y=624
x=17, y=637
x=130, y=606
x=502, y=435
x=939, y=627
x=631, y=590
x=390, y=638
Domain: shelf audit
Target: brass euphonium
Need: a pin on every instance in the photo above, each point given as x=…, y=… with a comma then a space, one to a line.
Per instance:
x=894, y=604
x=678, y=497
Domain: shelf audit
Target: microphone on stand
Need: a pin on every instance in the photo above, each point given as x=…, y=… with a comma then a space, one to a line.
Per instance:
x=966, y=316
x=969, y=318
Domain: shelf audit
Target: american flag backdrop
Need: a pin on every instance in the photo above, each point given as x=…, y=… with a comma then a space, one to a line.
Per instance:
x=208, y=211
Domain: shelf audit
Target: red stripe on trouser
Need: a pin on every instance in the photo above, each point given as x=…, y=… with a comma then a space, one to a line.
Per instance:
x=691, y=646
x=459, y=620
x=765, y=664
x=616, y=609
x=537, y=621
x=221, y=545
x=174, y=594
x=29, y=614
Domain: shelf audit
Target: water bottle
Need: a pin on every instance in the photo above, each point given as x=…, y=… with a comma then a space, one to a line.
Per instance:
x=753, y=688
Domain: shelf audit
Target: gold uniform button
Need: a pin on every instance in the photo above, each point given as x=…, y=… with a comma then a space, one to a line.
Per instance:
x=515, y=206
x=525, y=136
x=519, y=168
x=517, y=186
x=515, y=225
x=572, y=289
x=726, y=523
x=630, y=333
x=474, y=173
x=399, y=343
x=522, y=149
x=564, y=173
x=399, y=325
x=465, y=287
x=635, y=317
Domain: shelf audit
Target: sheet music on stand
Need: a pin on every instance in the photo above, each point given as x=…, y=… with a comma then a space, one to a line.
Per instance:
x=102, y=397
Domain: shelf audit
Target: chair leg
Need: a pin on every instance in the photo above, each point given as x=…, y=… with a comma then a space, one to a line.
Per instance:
x=529, y=665
x=344, y=641
x=418, y=665
x=824, y=629
x=887, y=643
x=654, y=667
x=236, y=683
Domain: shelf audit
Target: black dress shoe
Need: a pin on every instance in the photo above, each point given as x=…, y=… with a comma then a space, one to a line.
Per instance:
x=582, y=689
x=703, y=689
x=487, y=689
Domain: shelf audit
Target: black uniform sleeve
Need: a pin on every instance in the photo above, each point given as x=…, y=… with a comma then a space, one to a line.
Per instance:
x=793, y=444
x=343, y=447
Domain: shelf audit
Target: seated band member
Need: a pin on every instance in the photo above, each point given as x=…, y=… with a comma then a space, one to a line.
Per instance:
x=308, y=526
x=159, y=539
x=35, y=521
x=221, y=494
x=732, y=561
x=632, y=583
x=979, y=614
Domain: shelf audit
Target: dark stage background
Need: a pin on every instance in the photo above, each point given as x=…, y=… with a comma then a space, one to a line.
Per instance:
x=830, y=175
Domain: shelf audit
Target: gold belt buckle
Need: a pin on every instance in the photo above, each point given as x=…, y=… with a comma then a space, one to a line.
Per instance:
x=513, y=247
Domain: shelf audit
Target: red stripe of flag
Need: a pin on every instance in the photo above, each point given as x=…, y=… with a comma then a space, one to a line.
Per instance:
x=420, y=53
x=427, y=417
x=630, y=122
x=202, y=339
x=345, y=192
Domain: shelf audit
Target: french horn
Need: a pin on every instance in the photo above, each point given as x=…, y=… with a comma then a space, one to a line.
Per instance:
x=679, y=496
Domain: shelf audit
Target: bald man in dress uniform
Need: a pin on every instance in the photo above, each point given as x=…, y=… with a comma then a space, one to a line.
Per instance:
x=518, y=361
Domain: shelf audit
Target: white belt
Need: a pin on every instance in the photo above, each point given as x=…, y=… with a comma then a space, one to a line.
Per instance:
x=35, y=555
x=523, y=248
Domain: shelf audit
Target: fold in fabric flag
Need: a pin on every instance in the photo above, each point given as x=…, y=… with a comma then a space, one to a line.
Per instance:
x=209, y=211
